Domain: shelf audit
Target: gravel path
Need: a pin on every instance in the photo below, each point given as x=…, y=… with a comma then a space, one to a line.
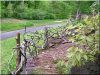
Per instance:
x=30, y=29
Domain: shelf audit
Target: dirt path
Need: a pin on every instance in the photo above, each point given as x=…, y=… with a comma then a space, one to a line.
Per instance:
x=30, y=29
x=45, y=61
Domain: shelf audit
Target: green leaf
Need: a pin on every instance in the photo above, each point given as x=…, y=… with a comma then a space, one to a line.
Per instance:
x=85, y=57
x=78, y=57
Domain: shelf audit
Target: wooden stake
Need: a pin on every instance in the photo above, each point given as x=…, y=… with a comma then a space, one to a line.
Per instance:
x=46, y=38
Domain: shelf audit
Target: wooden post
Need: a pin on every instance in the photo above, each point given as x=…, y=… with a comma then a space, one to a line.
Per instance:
x=18, y=57
x=46, y=38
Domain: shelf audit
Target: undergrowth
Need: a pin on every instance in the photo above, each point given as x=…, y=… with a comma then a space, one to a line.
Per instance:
x=87, y=44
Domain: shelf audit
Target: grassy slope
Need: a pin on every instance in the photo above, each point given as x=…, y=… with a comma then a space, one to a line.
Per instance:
x=14, y=24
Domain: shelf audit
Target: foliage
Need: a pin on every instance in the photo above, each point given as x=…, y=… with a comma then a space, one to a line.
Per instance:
x=43, y=9
x=87, y=43
x=9, y=9
x=38, y=38
x=77, y=55
x=38, y=14
x=61, y=67
x=0, y=9
x=87, y=37
x=95, y=6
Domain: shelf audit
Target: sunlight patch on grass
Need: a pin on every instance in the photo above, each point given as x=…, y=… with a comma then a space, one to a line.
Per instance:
x=10, y=24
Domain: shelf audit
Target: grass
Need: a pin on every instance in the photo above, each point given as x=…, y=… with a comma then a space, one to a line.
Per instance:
x=6, y=53
x=15, y=24
x=7, y=46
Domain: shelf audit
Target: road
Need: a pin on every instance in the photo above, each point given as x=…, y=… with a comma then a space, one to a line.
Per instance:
x=30, y=29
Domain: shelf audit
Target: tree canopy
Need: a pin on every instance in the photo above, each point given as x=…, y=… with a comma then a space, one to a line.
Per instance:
x=43, y=9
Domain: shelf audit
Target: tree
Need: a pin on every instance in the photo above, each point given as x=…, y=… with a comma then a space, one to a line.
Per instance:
x=9, y=10
x=44, y=9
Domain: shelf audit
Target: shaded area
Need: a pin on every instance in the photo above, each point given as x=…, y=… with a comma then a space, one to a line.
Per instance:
x=88, y=68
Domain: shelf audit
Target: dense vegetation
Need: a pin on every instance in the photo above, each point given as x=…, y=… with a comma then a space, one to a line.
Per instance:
x=43, y=9
x=87, y=45
x=87, y=40
x=86, y=48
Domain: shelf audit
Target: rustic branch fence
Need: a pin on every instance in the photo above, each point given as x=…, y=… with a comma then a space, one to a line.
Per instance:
x=21, y=48
x=29, y=44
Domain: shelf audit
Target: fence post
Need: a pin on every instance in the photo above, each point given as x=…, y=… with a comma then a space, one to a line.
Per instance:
x=46, y=38
x=18, y=57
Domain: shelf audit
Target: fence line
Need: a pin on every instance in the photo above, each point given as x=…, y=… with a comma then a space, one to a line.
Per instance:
x=21, y=49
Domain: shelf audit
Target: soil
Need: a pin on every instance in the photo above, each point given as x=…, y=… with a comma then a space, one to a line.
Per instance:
x=88, y=68
x=44, y=63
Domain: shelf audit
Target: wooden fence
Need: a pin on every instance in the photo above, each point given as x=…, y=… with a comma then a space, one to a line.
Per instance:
x=21, y=48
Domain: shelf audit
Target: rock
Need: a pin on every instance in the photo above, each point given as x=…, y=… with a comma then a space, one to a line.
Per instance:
x=51, y=45
x=43, y=52
x=47, y=67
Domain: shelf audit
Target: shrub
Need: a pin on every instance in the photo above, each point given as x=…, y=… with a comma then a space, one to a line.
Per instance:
x=50, y=16
x=38, y=14
x=87, y=43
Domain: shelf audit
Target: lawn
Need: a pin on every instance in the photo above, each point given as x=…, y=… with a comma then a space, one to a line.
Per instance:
x=15, y=24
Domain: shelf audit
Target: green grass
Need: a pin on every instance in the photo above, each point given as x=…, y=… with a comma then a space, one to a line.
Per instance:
x=7, y=46
x=15, y=24
x=6, y=52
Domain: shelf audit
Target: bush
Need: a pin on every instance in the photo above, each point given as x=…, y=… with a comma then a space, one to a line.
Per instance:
x=87, y=43
x=61, y=68
x=38, y=14
x=95, y=6
x=50, y=16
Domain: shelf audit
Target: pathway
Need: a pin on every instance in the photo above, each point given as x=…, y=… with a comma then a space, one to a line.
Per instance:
x=45, y=61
